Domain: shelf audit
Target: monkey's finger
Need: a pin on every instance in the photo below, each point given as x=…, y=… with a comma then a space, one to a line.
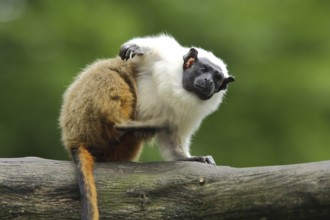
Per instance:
x=201, y=159
x=123, y=50
x=131, y=52
x=128, y=51
x=209, y=160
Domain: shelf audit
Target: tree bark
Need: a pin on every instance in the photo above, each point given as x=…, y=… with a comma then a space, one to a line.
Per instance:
x=34, y=188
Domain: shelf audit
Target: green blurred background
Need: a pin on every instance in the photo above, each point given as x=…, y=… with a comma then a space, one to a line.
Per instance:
x=277, y=111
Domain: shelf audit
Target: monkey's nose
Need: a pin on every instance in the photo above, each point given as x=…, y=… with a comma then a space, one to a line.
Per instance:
x=204, y=86
x=203, y=83
x=207, y=79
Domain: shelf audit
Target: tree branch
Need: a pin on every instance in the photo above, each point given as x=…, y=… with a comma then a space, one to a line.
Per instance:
x=34, y=188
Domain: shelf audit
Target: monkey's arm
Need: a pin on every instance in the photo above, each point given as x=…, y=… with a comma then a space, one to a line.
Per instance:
x=152, y=125
x=156, y=48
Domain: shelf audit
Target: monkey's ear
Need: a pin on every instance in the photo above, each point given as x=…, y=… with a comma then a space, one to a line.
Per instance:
x=190, y=58
x=230, y=79
x=225, y=82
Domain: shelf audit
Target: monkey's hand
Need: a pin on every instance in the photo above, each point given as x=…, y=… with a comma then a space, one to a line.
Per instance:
x=128, y=51
x=202, y=159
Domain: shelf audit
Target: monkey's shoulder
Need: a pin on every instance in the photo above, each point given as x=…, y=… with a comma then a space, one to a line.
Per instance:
x=106, y=75
x=113, y=65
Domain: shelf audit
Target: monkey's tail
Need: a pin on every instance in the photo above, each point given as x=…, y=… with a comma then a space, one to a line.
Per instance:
x=85, y=167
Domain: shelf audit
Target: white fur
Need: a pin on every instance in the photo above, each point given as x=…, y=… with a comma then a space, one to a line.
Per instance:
x=160, y=90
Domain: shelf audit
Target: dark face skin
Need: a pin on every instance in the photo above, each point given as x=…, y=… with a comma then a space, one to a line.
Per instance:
x=202, y=77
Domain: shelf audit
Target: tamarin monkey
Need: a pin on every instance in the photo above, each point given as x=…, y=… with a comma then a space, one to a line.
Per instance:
x=156, y=87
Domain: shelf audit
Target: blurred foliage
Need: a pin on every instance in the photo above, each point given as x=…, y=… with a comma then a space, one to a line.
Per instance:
x=277, y=111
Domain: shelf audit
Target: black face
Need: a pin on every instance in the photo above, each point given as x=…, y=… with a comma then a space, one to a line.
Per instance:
x=202, y=77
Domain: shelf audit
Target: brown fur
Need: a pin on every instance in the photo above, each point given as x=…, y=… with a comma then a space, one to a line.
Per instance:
x=102, y=96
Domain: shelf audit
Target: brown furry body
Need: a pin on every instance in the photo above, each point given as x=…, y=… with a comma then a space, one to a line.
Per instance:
x=103, y=95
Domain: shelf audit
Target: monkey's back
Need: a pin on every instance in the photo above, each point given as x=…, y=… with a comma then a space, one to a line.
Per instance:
x=102, y=95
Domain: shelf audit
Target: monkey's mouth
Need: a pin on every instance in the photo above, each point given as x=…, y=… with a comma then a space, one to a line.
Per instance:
x=204, y=92
x=201, y=90
x=204, y=98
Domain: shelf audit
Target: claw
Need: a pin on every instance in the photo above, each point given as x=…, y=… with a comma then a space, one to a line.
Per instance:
x=202, y=159
x=128, y=51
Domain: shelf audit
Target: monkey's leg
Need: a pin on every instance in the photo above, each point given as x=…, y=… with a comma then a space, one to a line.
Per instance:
x=173, y=147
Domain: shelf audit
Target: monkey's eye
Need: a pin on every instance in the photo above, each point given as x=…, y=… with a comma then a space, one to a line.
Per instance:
x=218, y=77
x=204, y=69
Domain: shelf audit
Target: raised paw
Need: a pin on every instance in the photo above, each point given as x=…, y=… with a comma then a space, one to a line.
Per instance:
x=128, y=51
x=202, y=159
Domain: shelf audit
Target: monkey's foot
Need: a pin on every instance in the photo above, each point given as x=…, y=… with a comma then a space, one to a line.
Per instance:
x=202, y=159
x=128, y=51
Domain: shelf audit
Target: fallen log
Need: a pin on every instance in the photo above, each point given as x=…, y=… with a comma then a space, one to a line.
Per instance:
x=35, y=188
